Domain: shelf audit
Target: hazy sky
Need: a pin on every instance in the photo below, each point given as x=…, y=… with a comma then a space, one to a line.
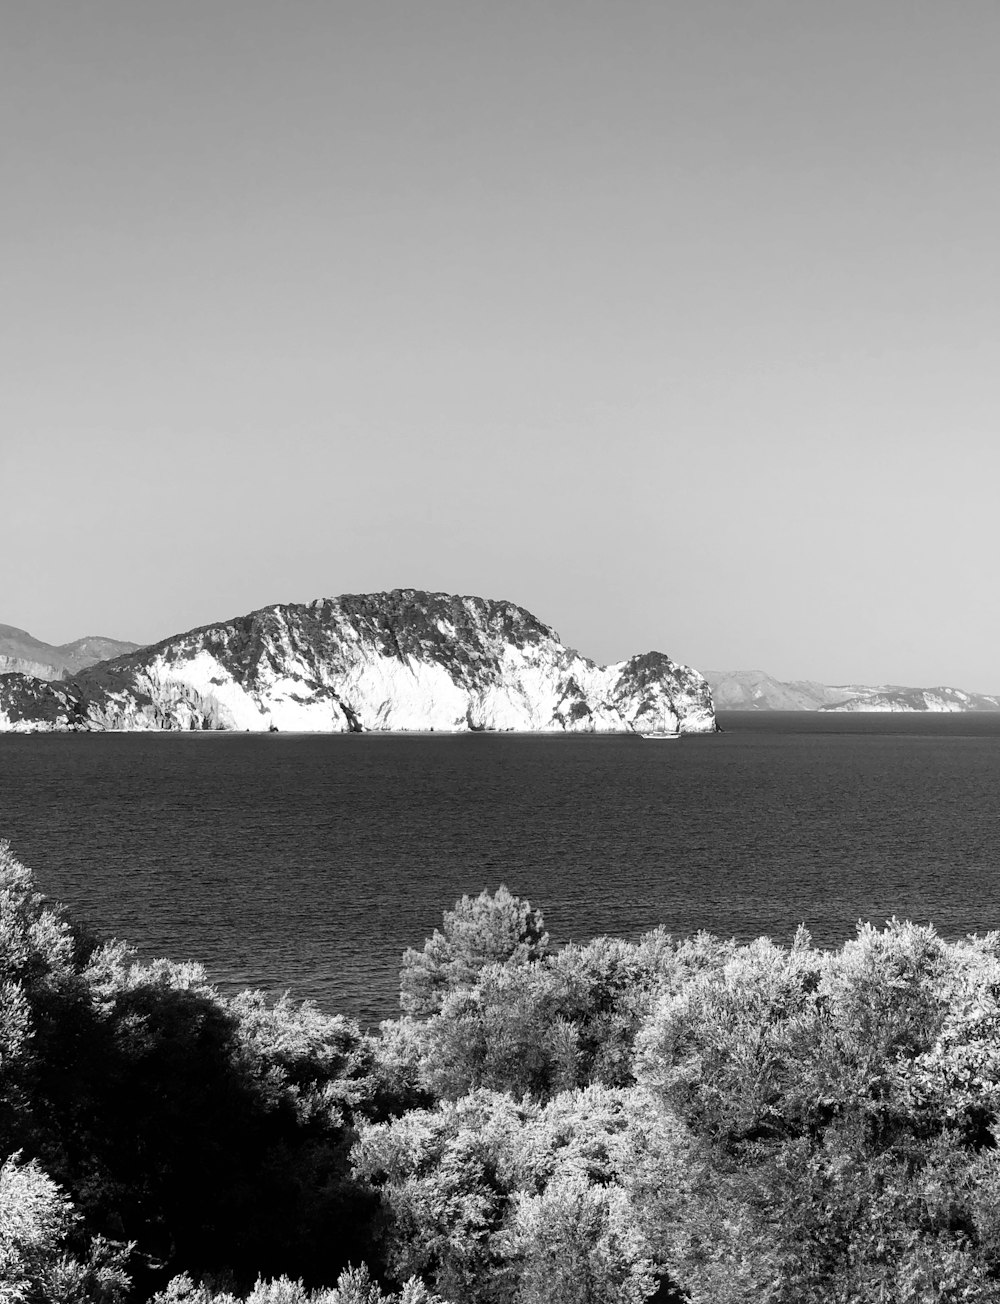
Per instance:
x=677, y=323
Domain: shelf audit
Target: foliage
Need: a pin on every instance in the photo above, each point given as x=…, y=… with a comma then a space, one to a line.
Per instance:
x=498, y=928
x=37, y=1259
x=561, y=1022
x=556, y=1021
x=211, y=1133
x=494, y=1200
x=354, y=1286
x=614, y=1121
x=34, y=1219
x=847, y=1101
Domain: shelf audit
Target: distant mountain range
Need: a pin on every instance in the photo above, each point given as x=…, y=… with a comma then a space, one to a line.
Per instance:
x=753, y=690
x=404, y=660
x=21, y=653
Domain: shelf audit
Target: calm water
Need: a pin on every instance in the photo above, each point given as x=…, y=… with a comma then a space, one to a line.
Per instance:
x=311, y=862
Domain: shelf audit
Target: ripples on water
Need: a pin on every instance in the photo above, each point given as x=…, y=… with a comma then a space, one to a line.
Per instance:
x=310, y=862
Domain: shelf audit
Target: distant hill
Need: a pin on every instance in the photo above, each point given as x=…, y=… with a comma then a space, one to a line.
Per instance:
x=22, y=653
x=753, y=690
x=895, y=697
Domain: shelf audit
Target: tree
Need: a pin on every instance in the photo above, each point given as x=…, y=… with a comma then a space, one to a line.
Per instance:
x=35, y=1217
x=213, y=1133
x=37, y=1222
x=492, y=1200
x=844, y=1104
x=543, y=1025
x=579, y=1244
x=488, y=929
x=354, y=1286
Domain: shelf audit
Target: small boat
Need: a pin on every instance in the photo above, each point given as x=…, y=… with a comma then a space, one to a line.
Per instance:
x=663, y=733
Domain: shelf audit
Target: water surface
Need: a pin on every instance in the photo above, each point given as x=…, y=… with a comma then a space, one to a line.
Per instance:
x=309, y=862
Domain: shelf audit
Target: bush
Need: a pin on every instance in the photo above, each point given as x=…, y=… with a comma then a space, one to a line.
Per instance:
x=214, y=1134
x=608, y=1122
x=494, y=1200
x=488, y=929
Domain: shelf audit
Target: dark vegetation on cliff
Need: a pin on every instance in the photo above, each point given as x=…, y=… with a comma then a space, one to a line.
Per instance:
x=25, y=697
x=614, y=1122
x=399, y=623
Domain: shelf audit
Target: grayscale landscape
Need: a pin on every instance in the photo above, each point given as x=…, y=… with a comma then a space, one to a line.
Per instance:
x=404, y=406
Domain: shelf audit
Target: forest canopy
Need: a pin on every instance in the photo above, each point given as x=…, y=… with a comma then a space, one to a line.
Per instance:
x=602, y=1123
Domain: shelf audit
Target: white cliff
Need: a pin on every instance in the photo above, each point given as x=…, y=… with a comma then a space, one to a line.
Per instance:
x=405, y=660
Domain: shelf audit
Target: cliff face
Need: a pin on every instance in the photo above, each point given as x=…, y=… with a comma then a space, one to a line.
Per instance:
x=405, y=660
x=37, y=669
x=30, y=705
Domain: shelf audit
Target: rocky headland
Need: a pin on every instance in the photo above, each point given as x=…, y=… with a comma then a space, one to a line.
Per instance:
x=403, y=660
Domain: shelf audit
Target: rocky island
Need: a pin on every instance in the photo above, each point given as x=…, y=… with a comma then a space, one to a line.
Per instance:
x=402, y=660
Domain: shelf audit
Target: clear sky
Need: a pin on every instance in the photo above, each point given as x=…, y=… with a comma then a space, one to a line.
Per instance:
x=676, y=322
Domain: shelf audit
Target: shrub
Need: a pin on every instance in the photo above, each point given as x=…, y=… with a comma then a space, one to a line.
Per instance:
x=488, y=929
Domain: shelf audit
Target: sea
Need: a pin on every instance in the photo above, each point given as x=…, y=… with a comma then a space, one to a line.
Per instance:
x=309, y=863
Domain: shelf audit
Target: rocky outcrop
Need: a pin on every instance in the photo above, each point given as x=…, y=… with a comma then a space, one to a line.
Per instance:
x=405, y=660
x=31, y=705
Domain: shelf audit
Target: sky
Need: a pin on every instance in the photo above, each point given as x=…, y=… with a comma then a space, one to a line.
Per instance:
x=677, y=323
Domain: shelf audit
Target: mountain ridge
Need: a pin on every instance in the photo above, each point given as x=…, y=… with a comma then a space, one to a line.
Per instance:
x=22, y=653
x=404, y=659
x=754, y=690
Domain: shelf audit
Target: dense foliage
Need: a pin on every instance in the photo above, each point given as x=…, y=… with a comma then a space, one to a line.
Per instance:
x=610, y=1122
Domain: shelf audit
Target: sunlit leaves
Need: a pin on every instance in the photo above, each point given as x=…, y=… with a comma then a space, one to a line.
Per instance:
x=496, y=928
